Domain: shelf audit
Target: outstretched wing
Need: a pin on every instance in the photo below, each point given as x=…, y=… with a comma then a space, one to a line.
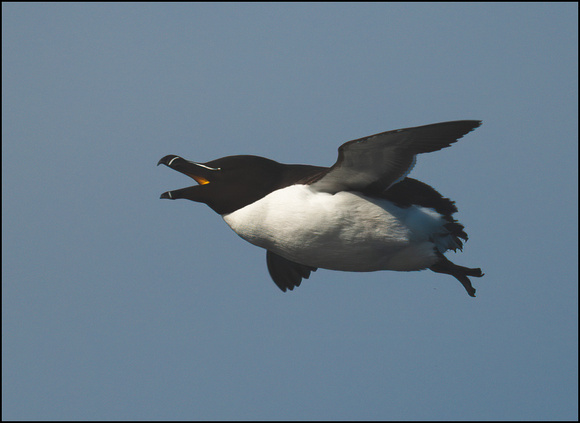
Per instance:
x=286, y=274
x=374, y=163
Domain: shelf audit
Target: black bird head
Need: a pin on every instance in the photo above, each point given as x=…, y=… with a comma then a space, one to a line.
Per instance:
x=226, y=184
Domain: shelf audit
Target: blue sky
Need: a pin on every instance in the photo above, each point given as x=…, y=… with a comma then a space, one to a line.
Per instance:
x=117, y=305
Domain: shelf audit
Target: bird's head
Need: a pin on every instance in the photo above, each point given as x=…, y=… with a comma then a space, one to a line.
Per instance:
x=225, y=184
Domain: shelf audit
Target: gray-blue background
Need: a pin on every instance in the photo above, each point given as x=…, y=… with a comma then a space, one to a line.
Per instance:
x=117, y=305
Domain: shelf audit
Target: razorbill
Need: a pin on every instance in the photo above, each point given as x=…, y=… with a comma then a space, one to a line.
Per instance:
x=361, y=214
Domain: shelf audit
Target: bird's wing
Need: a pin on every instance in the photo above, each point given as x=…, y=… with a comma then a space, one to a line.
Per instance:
x=375, y=163
x=286, y=274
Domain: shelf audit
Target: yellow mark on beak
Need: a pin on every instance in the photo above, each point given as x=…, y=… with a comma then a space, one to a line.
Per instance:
x=199, y=179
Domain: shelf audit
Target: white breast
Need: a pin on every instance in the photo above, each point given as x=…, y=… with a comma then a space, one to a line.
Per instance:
x=343, y=231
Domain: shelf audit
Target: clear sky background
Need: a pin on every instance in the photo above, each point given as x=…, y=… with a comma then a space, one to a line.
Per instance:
x=118, y=305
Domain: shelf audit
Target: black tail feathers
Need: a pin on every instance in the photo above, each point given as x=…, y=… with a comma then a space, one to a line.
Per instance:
x=457, y=232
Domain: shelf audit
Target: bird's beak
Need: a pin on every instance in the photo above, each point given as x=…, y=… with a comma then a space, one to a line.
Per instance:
x=197, y=171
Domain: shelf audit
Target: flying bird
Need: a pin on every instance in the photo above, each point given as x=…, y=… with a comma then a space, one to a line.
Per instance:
x=362, y=214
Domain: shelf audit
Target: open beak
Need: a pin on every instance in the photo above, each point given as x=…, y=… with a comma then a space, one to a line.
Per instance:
x=197, y=171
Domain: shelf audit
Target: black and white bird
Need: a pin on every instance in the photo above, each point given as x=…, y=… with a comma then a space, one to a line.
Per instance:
x=362, y=214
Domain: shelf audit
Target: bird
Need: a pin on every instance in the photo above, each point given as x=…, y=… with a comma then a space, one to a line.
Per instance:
x=362, y=214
